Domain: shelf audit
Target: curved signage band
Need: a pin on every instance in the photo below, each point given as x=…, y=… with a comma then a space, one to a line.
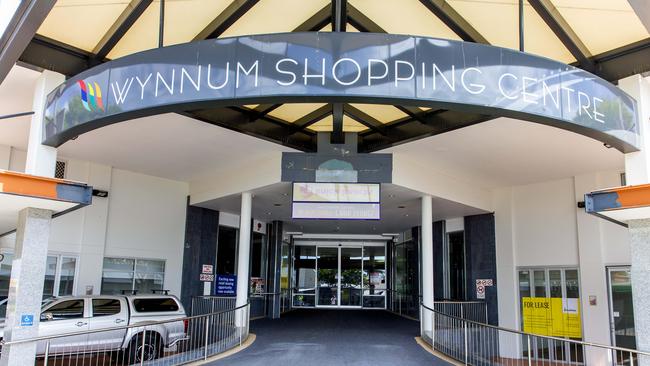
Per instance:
x=342, y=67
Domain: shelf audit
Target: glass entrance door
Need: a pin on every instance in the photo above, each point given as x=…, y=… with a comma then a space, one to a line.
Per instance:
x=327, y=273
x=339, y=276
x=350, y=276
x=621, y=311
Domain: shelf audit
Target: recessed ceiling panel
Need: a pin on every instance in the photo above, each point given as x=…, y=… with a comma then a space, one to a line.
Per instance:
x=349, y=125
x=602, y=25
x=81, y=23
x=183, y=21
x=292, y=112
x=498, y=22
x=275, y=16
x=382, y=112
x=404, y=17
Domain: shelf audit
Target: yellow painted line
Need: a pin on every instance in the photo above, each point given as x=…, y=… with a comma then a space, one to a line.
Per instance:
x=441, y=356
x=251, y=338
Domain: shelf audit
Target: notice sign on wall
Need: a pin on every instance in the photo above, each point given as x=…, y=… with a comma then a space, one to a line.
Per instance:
x=226, y=285
x=552, y=316
x=336, y=192
x=336, y=201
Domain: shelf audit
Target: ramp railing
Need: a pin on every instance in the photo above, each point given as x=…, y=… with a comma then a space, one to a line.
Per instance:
x=172, y=342
x=475, y=343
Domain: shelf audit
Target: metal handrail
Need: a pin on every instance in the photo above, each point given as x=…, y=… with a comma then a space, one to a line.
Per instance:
x=569, y=340
x=138, y=325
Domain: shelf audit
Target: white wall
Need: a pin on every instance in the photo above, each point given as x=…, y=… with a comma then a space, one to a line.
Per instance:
x=545, y=224
x=146, y=219
x=540, y=225
x=143, y=217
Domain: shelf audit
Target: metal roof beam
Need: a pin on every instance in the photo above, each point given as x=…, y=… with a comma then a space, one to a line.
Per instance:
x=452, y=19
x=405, y=130
x=20, y=30
x=563, y=31
x=223, y=21
x=337, y=136
x=339, y=15
x=312, y=117
x=52, y=55
x=124, y=22
x=267, y=128
x=364, y=118
x=624, y=61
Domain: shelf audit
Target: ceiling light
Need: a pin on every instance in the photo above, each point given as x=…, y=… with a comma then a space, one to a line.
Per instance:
x=268, y=213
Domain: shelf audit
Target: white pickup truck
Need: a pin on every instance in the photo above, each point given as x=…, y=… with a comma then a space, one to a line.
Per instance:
x=95, y=313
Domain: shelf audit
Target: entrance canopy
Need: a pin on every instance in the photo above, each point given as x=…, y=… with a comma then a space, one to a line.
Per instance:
x=474, y=81
x=567, y=31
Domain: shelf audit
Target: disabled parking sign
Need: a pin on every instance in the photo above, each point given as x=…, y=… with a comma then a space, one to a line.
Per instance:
x=27, y=320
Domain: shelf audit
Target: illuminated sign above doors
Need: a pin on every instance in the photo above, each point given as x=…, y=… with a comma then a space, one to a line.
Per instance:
x=343, y=67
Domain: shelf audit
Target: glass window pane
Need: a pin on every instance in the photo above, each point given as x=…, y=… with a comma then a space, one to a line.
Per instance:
x=145, y=283
x=555, y=282
x=149, y=266
x=539, y=278
x=304, y=278
x=50, y=274
x=105, y=307
x=70, y=309
x=66, y=278
x=374, y=271
x=5, y=275
x=113, y=282
x=572, y=284
x=119, y=264
x=524, y=283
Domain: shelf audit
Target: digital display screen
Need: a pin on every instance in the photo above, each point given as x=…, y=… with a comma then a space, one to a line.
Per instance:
x=336, y=192
x=336, y=211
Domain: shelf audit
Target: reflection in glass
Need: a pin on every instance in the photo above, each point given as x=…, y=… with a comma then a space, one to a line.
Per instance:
x=50, y=275
x=622, y=310
x=539, y=278
x=328, y=276
x=555, y=282
x=374, y=276
x=351, y=259
x=66, y=277
x=304, y=276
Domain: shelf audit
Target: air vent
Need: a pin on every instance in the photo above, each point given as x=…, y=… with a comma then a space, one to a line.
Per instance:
x=59, y=170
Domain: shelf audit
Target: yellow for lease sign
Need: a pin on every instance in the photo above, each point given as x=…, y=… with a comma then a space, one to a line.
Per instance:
x=552, y=316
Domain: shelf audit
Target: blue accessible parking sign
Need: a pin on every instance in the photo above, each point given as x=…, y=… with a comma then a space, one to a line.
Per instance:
x=27, y=320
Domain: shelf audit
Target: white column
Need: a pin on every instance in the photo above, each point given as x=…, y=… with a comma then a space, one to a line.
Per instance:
x=26, y=286
x=244, y=253
x=637, y=164
x=427, y=263
x=640, y=274
x=41, y=159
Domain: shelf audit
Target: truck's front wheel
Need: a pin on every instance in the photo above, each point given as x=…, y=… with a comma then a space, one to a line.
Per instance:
x=151, y=348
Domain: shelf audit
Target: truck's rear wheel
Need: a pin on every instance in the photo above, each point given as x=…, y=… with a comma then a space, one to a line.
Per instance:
x=152, y=347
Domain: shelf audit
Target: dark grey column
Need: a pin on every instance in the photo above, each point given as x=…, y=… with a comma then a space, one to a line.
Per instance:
x=201, y=230
x=274, y=256
x=481, y=260
x=438, y=258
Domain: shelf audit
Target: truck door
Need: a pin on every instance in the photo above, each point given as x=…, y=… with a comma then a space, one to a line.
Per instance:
x=65, y=316
x=108, y=312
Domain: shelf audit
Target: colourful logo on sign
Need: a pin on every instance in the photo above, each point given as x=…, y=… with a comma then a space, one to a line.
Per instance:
x=91, y=96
